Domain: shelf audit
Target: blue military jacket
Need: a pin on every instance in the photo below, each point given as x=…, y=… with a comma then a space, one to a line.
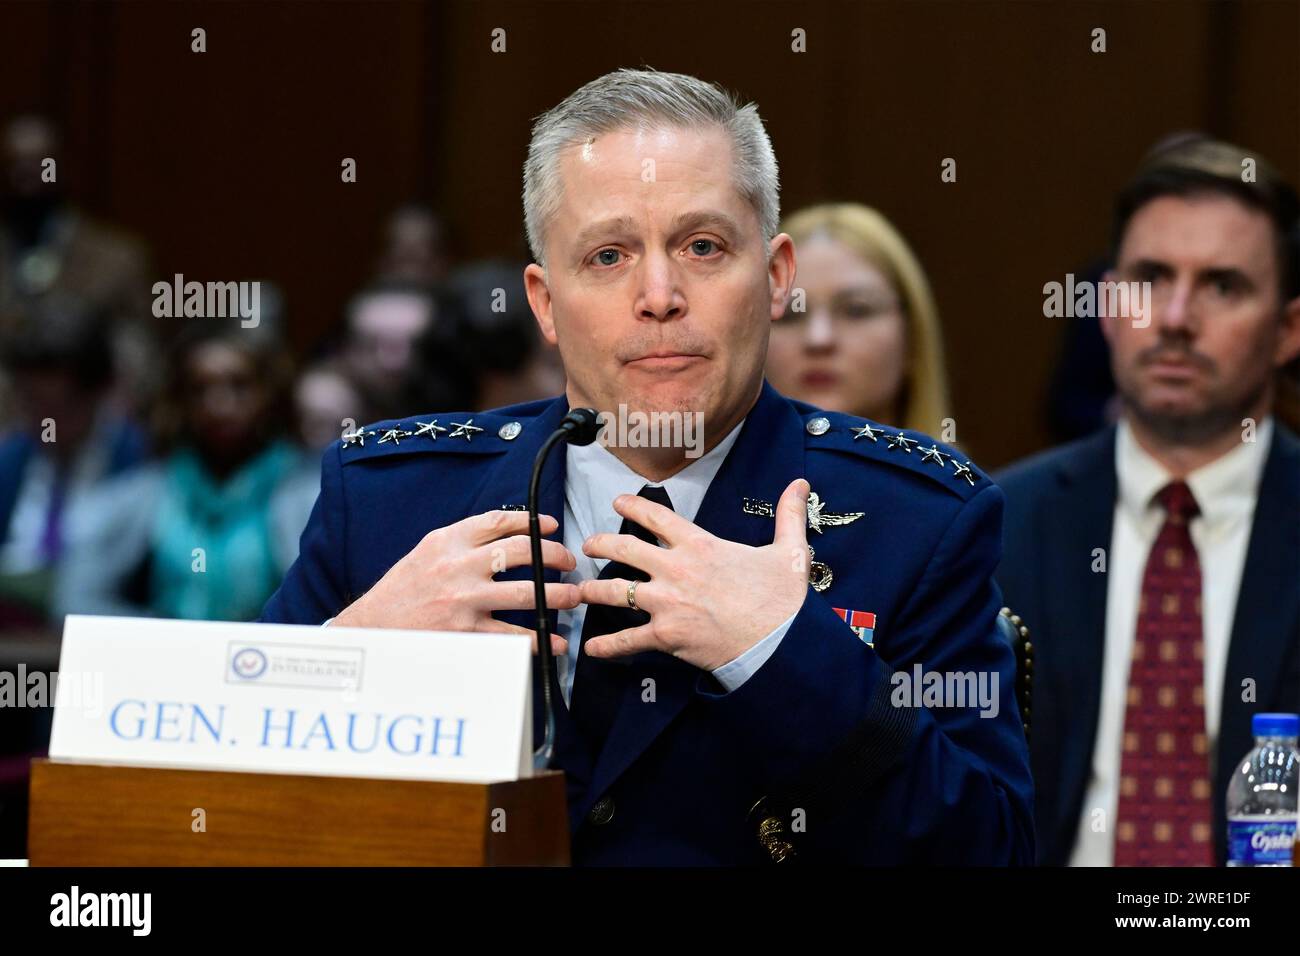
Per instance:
x=834, y=730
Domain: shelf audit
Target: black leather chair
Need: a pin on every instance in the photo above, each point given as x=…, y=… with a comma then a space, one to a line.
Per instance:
x=1017, y=635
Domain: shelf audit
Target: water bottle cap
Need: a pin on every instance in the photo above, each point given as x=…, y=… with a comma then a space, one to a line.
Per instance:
x=1275, y=725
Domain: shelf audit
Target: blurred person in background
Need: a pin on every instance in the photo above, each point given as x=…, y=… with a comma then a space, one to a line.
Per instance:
x=382, y=325
x=48, y=247
x=1156, y=562
x=415, y=247
x=67, y=439
x=1081, y=397
x=326, y=405
x=499, y=337
x=326, y=401
x=207, y=532
x=867, y=341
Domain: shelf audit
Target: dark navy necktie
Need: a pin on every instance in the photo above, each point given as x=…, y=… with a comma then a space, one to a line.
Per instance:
x=599, y=683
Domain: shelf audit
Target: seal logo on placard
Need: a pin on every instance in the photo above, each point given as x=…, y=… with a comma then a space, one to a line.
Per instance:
x=249, y=663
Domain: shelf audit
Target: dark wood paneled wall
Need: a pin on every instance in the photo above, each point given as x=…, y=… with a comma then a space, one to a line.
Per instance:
x=228, y=162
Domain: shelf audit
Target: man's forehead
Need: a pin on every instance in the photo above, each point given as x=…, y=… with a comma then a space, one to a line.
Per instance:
x=634, y=143
x=610, y=181
x=639, y=160
x=1200, y=226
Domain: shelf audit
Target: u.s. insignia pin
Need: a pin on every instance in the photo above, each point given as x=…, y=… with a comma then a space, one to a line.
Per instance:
x=818, y=516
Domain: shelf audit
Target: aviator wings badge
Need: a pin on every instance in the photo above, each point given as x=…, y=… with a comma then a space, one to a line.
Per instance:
x=820, y=575
x=819, y=517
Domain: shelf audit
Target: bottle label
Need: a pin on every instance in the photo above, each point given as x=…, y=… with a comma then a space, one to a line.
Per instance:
x=1261, y=840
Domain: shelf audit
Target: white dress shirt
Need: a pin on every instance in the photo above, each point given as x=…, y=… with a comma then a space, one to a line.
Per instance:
x=1225, y=490
x=594, y=477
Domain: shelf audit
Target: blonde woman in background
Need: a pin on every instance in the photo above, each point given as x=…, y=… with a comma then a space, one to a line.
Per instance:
x=867, y=341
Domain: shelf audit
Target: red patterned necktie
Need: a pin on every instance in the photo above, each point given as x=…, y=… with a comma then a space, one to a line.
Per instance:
x=1164, y=798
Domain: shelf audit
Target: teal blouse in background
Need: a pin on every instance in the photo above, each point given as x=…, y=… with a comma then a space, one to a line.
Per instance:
x=213, y=553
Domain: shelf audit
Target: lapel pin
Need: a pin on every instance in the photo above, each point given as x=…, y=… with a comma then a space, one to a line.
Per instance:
x=818, y=516
x=820, y=574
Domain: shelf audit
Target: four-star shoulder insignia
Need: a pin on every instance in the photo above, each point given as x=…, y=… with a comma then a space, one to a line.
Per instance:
x=841, y=432
x=421, y=434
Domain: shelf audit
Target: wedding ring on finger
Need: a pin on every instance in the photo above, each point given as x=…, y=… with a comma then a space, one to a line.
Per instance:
x=631, y=595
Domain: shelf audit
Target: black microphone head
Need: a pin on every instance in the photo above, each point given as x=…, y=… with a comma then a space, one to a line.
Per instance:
x=582, y=426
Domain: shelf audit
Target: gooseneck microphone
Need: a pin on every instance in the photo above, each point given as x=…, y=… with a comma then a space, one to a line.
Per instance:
x=579, y=427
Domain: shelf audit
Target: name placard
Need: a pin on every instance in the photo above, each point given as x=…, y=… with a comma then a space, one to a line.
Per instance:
x=280, y=698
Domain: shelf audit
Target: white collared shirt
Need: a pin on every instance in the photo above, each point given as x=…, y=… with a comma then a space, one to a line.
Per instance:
x=1226, y=491
x=594, y=477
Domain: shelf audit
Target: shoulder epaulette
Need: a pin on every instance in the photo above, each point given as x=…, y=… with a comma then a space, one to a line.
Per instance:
x=900, y=447
x=465, y=433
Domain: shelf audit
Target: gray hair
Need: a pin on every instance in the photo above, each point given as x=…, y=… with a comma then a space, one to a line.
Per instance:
x=630, y=99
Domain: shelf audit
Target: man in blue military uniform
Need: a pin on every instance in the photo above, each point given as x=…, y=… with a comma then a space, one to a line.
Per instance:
x=795, y=612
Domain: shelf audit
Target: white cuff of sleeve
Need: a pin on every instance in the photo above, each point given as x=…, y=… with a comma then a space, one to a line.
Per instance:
x=733, y=674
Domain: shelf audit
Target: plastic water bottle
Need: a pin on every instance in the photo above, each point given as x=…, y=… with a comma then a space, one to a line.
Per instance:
x=1262, y=804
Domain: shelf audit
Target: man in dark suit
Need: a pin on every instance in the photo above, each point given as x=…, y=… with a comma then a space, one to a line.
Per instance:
x=1158, y=562
x=713, y=658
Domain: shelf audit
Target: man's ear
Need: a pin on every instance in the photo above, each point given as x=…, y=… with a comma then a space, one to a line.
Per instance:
x=780, y=273
x=1288, y=339
x=539, y=298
